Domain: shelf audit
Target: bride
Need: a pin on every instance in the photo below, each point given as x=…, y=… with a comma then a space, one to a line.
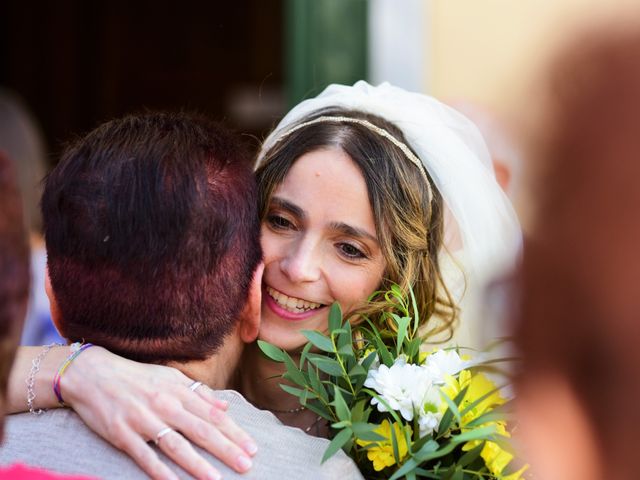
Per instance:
x=360, y=187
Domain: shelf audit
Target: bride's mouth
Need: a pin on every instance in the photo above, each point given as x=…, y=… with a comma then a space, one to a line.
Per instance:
x=291, y=304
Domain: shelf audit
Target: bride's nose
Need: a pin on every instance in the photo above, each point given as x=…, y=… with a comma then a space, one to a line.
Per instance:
x=302, y=262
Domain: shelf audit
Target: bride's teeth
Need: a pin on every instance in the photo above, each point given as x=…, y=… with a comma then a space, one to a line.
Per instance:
x=292, y=302
x=295, y=305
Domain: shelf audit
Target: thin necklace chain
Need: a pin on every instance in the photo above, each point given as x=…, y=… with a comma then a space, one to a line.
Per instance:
x=299, y=409
x=315, y=422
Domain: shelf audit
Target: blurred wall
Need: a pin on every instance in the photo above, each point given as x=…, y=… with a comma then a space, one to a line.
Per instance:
x=490, y=51
x=494, y=55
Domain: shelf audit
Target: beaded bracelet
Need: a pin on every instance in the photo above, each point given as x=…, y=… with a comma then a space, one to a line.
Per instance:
x=76, y=349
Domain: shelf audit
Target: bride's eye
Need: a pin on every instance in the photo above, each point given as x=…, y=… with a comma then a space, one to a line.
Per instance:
x=351, y=252
x=278, y=222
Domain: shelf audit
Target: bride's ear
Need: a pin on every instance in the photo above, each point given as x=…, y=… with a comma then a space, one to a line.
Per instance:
x=250, y=316
x=54, y=309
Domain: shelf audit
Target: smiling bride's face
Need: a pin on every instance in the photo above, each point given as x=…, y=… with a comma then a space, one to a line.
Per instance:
x=320, y=246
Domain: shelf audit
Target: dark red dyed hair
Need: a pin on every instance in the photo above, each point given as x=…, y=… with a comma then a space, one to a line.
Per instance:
x=152, y=236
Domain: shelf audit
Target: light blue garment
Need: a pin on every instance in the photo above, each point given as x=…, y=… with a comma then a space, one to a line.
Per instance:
x=38, y=327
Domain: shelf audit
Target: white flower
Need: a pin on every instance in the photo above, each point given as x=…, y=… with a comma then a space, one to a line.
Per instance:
x=445, y=362
x=404, y=387
x=429, y=422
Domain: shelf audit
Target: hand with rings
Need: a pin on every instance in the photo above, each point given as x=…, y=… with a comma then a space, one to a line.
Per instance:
x=143, y=403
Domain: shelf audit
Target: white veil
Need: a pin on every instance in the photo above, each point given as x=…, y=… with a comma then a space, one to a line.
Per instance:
x=456, y=157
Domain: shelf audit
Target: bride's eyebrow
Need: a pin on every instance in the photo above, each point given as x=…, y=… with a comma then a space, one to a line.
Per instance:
x=278, y=202
x=352, y=231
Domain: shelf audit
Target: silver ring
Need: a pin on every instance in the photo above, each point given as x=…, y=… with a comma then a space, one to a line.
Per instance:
x=162, y=433
x=194, y=386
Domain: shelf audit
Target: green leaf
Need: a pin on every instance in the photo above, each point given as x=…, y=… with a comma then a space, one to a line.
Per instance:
x=445, y=422
x=342, y=424
x=408, y=466
x=346, y=350
x=296, y=392
x=271, y=351
x=457, y=474
x=394, y=443
x=452, y=406
x=403, y=324
x=412, y=349
x=383, y=351
x=316, y=384
x=380, y=399
x=327, y=365
x=471, y=455
x=369, y=359
x=481, y=433
x=304, y=353
x=490, y=416
x=477, y=434
x=423, y=445
x=293, y=372
x=429, y=474
x=319, y=340
x=426, y=449
x=416, y=312
x=357, y=411
x=335, y=317
x=365, y=431
x=321, y=410
x=342, y=410
x=338, y=441
x=357, y=370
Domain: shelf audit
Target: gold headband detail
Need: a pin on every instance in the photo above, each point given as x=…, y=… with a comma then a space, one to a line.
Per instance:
x=374, y=128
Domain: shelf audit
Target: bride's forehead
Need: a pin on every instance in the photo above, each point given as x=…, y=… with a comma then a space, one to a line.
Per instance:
x=329, y=172
x=329, y=189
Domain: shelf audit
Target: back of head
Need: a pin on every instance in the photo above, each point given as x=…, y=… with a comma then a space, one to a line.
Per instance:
x=14, y=272
x=152, y=236
x=581, y=267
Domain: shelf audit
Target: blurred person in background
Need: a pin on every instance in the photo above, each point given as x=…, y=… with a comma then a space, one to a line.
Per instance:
x=578, y=328
x=14, y=295
x=22, y=141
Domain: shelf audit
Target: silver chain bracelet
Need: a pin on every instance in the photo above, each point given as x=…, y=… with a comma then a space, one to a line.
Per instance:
x=31, y=379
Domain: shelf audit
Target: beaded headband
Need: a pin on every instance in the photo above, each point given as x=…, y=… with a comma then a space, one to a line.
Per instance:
x=374, y=128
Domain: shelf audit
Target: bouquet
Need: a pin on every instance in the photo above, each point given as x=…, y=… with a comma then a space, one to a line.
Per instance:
x=397, y=411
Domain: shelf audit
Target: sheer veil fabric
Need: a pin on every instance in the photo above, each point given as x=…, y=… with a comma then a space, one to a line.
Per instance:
x=482, y=232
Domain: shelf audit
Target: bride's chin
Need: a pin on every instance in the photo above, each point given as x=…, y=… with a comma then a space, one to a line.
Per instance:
x=287, y=339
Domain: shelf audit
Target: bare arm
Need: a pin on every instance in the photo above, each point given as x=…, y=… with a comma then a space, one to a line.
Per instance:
x=128, y=403
x=17, y=391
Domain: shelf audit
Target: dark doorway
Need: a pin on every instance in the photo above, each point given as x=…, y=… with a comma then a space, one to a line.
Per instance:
x=77, y=63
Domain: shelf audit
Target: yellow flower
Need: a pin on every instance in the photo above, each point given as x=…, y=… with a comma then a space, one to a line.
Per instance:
x=495, y=457
x=515, y=475
x=381, y=454
x=478, y=386
x=422, y=356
